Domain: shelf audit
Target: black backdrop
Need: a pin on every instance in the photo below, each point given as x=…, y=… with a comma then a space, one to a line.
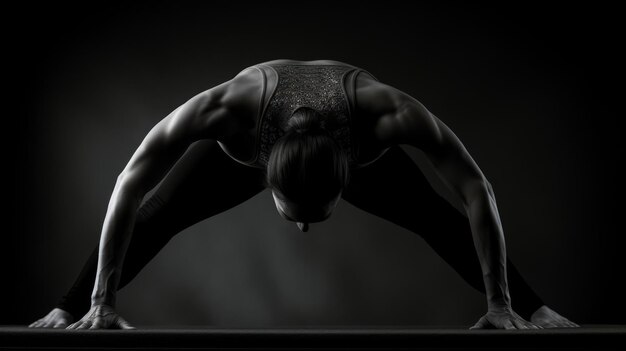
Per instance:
x=530, y=90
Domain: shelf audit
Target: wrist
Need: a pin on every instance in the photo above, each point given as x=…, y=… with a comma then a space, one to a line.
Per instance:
x=499, y=305
x=105, y=306
x=498, y=297
x=98, y=300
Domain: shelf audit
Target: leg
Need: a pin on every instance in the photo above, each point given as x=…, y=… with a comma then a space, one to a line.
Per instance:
x=205, y=182
x=389, y=185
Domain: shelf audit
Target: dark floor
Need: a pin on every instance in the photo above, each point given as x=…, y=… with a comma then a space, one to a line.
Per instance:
x=589, y=337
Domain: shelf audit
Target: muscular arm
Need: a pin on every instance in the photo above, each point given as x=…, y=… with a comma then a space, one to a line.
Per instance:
x=409, y=122
x=218, y=113
x=199, y=118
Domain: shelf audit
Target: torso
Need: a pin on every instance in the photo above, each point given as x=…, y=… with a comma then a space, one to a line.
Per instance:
x=268, y=92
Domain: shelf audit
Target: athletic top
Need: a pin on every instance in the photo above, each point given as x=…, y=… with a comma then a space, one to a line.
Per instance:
x=329, y=88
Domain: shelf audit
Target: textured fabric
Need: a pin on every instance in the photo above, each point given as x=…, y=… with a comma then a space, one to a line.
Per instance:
x=320, y=87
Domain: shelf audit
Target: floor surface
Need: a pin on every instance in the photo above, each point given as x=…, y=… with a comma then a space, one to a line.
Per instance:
x=588, y=337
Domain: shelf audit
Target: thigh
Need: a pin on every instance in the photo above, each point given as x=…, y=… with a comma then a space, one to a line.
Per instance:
x=394, y=188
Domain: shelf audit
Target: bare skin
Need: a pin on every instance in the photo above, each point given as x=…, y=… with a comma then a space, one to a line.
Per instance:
x=57, y=318
x=547, y=318
x=384, y=116
x=543, y=317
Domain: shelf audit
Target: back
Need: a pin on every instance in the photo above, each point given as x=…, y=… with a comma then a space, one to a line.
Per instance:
x=327, y=86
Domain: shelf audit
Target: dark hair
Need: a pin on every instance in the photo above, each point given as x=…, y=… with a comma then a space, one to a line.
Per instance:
x=307, y=164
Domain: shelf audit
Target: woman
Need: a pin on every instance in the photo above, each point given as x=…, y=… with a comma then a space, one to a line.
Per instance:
x=313, y=132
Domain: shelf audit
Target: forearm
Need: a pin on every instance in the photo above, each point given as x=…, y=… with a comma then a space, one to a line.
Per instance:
x=116, y=234
x=490, y=246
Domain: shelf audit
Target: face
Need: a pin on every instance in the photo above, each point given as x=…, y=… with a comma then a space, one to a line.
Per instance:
x=302, y=214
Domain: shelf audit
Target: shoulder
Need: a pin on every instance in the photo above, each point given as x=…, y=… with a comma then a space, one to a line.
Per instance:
x=232, y=105
x=375, y=98
x=393, y=114
x=310, y=62
x=242, y=94
x=246, y=82
x=231, y=92
x=221, y=111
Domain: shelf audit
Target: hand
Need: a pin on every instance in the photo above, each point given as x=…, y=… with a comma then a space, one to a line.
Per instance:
x=57, y=318
x=101, y=317
x=504, y=318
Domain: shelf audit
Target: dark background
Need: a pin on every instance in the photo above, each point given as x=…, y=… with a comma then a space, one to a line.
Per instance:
x=530, y=90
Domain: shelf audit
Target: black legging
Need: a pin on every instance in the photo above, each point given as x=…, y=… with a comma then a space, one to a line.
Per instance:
x=393, y=188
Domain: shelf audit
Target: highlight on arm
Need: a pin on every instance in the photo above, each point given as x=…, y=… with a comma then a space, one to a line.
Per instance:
x=412, y=124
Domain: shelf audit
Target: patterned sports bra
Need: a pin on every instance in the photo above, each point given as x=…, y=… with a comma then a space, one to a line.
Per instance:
x=327, y=88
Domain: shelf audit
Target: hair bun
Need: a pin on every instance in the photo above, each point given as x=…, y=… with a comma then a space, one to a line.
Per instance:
x=305, y=119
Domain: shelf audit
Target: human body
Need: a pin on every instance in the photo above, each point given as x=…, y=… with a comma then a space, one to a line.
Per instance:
x=230, y=142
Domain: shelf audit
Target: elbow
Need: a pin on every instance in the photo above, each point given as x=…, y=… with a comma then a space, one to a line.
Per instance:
x=124, y=180
x=121, y=177
x=489, y=188
x=127, y=185
x=477, y=189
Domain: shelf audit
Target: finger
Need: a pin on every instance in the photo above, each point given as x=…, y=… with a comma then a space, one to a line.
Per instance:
x=572, y=324
x=123, y=324
x=73, y=325
x=508, y=324
x=86, y=324
x=98, y=324
x=35, y=324
x=481, y=324
x=50, y=324
x=533, y=326
x=77, y=325
x=60, y=325
x=519, y=324
x=529, y=324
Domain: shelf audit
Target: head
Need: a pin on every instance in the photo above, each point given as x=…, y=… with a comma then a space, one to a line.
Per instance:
x=307, y=170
